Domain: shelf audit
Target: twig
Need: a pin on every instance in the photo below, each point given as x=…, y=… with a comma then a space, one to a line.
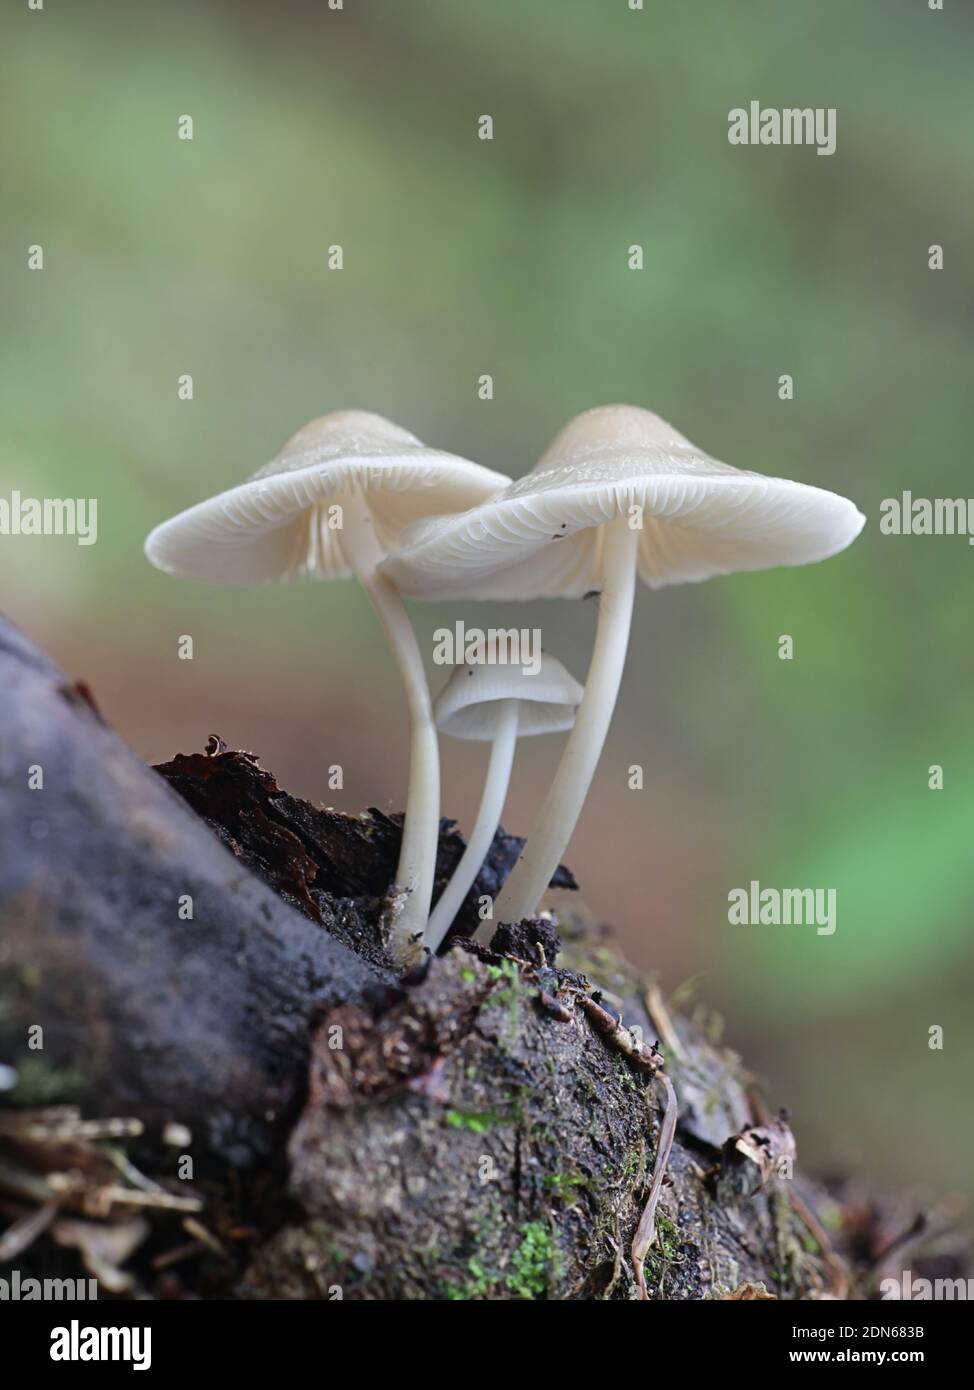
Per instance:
x=643, y=1058
x=124, y=1196
x=196, y=1229
x=616, y=1266
x=129, y=1171
x=59, y=1124
x=649, y=1060
x=645, y=1235
x=187, y=1251
x=835, y=1266
x=114, y=1195
x=916, y=1228
x=659, y=1014
x=21, y=1182
x=20, y=1236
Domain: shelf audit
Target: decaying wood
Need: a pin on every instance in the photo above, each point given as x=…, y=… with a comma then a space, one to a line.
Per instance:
x=143, y=1010
x=479, y=1132
x=327, y=865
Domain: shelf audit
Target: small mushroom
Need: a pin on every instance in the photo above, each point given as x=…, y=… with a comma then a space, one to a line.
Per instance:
x=331, y=504
x=499, y=704
x=618, y=493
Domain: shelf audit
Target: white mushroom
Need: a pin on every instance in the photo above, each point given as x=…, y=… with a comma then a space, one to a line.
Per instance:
x=617, y=493
x=500, y=704
x=331, y=504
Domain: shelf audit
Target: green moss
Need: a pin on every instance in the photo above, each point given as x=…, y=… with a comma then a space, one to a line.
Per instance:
x=41, y=1084
x=559, y=1181
x=532, y=1262
x=478, y=1285
x=508, y=997
x=667, y=1236
x=479, y=1121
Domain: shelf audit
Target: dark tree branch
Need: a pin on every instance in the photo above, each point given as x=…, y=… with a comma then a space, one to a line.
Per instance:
x=145, y=1013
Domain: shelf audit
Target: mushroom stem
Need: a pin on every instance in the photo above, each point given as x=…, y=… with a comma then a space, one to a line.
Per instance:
x=421, y=827
x=482, y=836
x=562, y=806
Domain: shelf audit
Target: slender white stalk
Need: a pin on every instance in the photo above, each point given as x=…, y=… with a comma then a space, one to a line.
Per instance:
x=555, y=822
x=421, y=827
x=482, y=836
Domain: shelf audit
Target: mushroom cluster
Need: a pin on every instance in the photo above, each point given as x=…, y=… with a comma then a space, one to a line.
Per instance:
x=618, y=495
x=331, y=504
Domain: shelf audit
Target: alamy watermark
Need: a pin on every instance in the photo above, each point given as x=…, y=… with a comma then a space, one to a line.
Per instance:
x=493, y=646
x=775, y=907
x=927, y=516
x=792, y=125
x=77, y=1343
x=17, y=1289
x=49, y=516
x=925, y=1290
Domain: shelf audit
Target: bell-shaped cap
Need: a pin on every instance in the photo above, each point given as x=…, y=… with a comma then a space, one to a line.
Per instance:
x=542, y=536
x=277, y=524
x=468, y=705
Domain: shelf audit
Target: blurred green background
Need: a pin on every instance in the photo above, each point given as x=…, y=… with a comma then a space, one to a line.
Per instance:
x=463, y=257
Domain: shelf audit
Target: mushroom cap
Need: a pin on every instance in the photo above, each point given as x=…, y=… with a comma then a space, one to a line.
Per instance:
x=542, y=536
x=275, y=525
x=466, y=707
